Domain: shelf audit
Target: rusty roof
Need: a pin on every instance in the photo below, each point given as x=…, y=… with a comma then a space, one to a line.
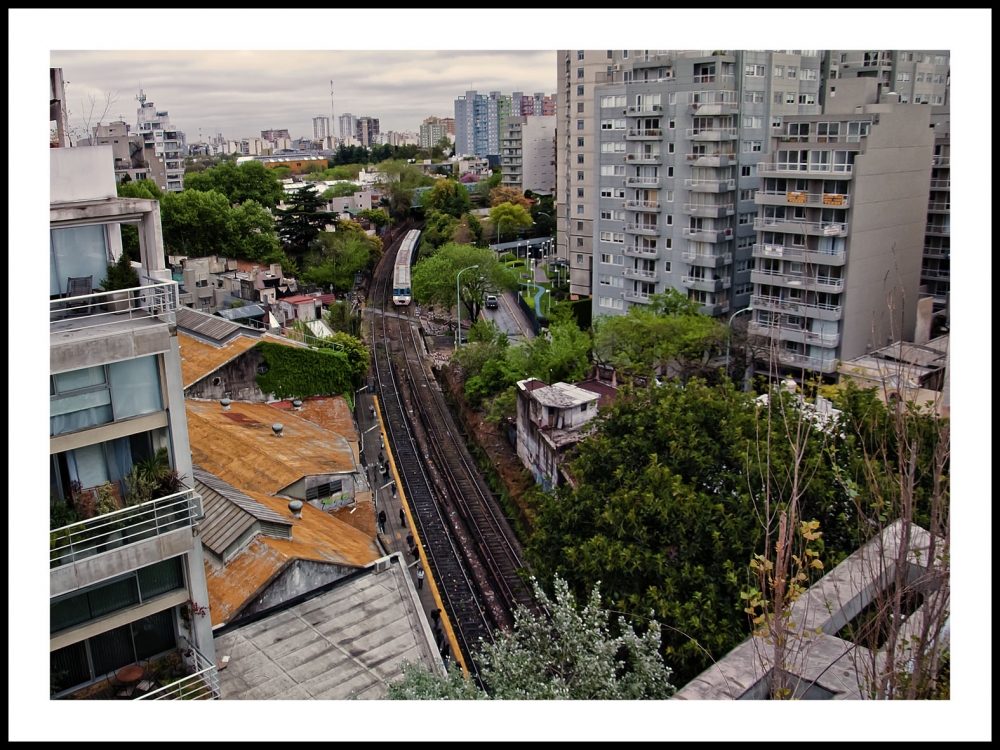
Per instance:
x=329, y=412
x=239, y=447
x=199, y=358
x=317, y=536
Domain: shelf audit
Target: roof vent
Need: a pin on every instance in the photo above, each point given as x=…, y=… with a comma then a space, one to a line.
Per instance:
x=225, y=404
x=295, y=506
x=297, y=405
x=277, y=429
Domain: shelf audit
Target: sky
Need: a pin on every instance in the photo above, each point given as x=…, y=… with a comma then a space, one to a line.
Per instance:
x=241, y=93
x=202, y=88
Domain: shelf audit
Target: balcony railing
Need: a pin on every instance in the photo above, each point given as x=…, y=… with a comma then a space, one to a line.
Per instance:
x=203, y=684
x=643, y=109
x=709, y=210
x=704, y=259
x=641, y=252
x=633, y=296
x=938, y=206
x=794, y=253
x=808, y=363
x=712, y=97
x=708, y=235
x=122, y=527
x=705, y=284
x=710, y=186
x=152, y=299
x=820, y=283
x=831, y=170
x=642, y=205
x=775, y=303
x=642, y=158
x=816, y=199
x=711, y=160
x=793, y=334
x=639, y=273
x=644, y=133
x=936, y=273
x=642, y=180
x=941, y=161
x=937, y=230
x=642, y=228
x=711, y=134
x=942, y=252
x=825, y=228
x=940, y=184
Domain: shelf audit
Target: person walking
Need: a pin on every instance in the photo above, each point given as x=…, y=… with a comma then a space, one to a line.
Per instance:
x=420, y=578
x=415, y=552
x=382, y=518
x=371, y=408
x=402, y=515
x=435, y=616
x=409, y=540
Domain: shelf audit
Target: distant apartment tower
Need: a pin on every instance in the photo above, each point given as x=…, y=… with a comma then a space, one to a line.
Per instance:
x=918, y=76
x=936, y=271
x=479, y=118
x=58, y=110
x=449, y=125
x=527, y=154
x=366, y=131
x=155, y=128
x=676, y=136
x=432, y=130
x=126, y=575
x=348, y=125
x=841, y=229
x=321, y=128
x=538, y=104
x=274, y=134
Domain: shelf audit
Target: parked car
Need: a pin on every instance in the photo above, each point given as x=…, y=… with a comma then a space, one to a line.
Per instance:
x=491, y=301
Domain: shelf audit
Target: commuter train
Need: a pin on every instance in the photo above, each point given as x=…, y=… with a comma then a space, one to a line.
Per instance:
x=401, y=295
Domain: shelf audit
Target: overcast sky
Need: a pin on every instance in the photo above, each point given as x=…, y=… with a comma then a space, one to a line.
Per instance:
x=241, y=93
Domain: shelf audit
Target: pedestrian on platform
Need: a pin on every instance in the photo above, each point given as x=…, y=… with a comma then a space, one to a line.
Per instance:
x=382, y=518
x=438, y=636
x=444, y=651
x=409, y=540
x=435, y=616
x=371, y=408
x=415, y=552
x=420, y=578
x=402, y=515
x=381, y=457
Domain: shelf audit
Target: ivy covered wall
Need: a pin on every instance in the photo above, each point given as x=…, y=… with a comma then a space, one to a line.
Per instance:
x=299, y=373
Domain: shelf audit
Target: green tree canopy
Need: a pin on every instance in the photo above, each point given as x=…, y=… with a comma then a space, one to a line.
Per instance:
x=196, y=223
x=301, y=222
x=377, y=216
x=507, y=217
x=448, y=197
x=341, y=190
x=505, y=194
x=434, y=277
x=574, y=654
x=144, y=188
x=337, y=256
x=249, y=181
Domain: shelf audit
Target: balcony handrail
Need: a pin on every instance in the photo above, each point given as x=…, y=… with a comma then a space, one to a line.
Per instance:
x=941, y=161
x=939, y=205
x=832, y=228
x=640, y=273
x=935, y=273
x=692, y=231
x=771, y=329
x=643, y=180
x=691, y=132
x=694, y=255
x=939, y=184
x=712, y=97
x=806, y=281
x=642, y=157
x=642, y=228
x=132, y=524
x=642, y=204
x=937, y=229
x=695, y=157
x=643, y=108
x=798, y=168
x=731, y=184
x=827, y=199
x=728, y=207
x=636, y=132
x=643, y=296
x=152, y=298
x=202, y=684
x=652, y=251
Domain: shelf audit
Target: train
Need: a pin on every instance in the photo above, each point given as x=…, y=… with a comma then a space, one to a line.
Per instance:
x=401, y=293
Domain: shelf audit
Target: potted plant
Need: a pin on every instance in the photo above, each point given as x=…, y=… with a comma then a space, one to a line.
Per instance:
x=121, y=275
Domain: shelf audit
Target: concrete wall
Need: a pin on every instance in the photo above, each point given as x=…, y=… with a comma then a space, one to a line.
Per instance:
x=79, y=174
x=538, y=171
x=298, y=577
x=237, y=381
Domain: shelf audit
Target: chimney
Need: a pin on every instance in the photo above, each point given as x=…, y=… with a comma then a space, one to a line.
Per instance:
x=225, y=404
x=297, y=405
x=277, y=429
x=295, y=506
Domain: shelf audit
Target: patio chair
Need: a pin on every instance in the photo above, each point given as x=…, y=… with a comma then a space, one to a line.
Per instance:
x=79, y=286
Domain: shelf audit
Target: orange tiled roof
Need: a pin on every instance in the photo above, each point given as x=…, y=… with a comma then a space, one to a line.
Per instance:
x=330, y=413
x=198, y=358
x=317, y=536
x=239, y=447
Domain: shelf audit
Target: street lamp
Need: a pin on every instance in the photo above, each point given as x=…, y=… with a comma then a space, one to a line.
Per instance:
x=745, y=309
x=458, y=307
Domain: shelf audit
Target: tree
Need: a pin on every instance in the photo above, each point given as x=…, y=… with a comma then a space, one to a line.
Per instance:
x=248, y=181
x=399, y=200
x=196, y=223
x=573, y=654
x=339, y=318
x=340, y=190
x=439, y=228
x=300, y=223
x=448, y=197
x=341, y=260
x=377, y=216
x=506, y=194
x=508, y=216
x=434, y=277
x=252, y=234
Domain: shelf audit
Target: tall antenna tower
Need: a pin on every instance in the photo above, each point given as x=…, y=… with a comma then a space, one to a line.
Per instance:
x=333, y=118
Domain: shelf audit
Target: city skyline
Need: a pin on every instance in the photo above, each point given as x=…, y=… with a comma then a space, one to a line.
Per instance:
x=241, y=93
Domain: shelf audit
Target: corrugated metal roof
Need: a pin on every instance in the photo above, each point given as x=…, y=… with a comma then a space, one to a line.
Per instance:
x=207, y=326
x=228, y=512
x=237, y=313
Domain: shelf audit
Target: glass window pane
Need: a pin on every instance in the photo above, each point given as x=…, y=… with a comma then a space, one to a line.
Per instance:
x=88, y=465
x=68, y=667
x=75, y=379
x=79, y=251
x=135, y=384
x=113, y=597
x=160, y=578
x=154, y=634
x=78, y=412
x=112, y=650
x=69, y=612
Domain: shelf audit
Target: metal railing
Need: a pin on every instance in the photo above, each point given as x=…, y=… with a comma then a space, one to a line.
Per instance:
x=939, y=206
x=940, y=184
x=202, y=685
x=799, y=168
x=694, y=257
x=634, y=296
x=825, y=228
x=712, y=97
x=711, y=132
x=941, y=161
x=639, y=273
x=800, y=280
x=642, y=228
x=642, y=252
x=809, y=363
x=642, y=180
x=944, y=252
x=937, y=230
x=935, y=273
x=709, y=235
x=721, y=185
x=839, y=200
x=780, y=251
x=642, y=157
x=696, y=157
x=642, y=109
x=642, y=205
x=775, y=303
x=714, y=210
x=643, y=133
x=122, y=527
x=152, y=298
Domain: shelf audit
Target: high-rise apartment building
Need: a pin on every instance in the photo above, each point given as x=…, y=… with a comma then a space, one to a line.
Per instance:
x=348, y=125
x=155, y=128
x=321, y=128
x=936, y=271
x=527, y=155
x=537, y=104
x=432, y=130
x=656, y=167
x=366, y=131
x=275, y=134
x=842, y=216
x=126, y=574
x=449, y=125
x=479, y=119
x=918, y=76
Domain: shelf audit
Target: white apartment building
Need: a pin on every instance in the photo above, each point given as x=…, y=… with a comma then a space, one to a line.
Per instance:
x=154, y=126
x=321, y=128
x=527, y=153
x=126, y=576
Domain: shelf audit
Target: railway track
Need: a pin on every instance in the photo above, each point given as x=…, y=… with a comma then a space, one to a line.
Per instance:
x=473, y=552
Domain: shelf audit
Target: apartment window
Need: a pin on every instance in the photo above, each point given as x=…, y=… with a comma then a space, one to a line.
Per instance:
x=579, y=54
x=666, y=266
x=672, y=97
x=671, y=123
x=754, y=71
x=746, y=170
x=579, y=225
x=611, y=170
x=668, y=220
x=579, y=158
x=808, y=74
x=607, y=124
x=938, y=100
x=668, y=196
x=940, y=60
x=747, y=195
x=920, y=77
x=624, y=54
x=744, y=242
x=579, y=208
x=670, y=147
x=619, y=192
x=776, y=121
x=579, y=124
x=97, y=395
x=579, y=259
x=579, y=141
x=579, y=192
x=792, y=72
x=807, y=98
x=902, y=76
x=607, y=259
x=843, y=58
x=579, y=90
x=789, y=97
x=779, y=71
x=605, y=192
x=779, y=97
x=752, y=146
x=753, y=97
x=579, y=176
x=745, y=265
x=670, y=171
x=579, y=107
x=611, y=54
x=579, y=72
x=753, y=122
x=904, y=98
x=746, y=218
x=606, y=279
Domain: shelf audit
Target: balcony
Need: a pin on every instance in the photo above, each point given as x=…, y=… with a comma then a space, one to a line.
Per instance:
x=635, y=110
x=939, y=206
x=774, y=198
x=714, y=310
x=798, y=281
x=640, y=133
x=783, y=333
x=705, y=103
x=815, y=364
x=708, y=235
x=121, y=528
x=711, y=134
x=642, y=158
x=710, y=186
x=153, y=299
x=940, y=184
x=822, y=311
x=201, y=684
x=936, y=230
x=634, y=296
x=941, y=161
x=648, y=229
x=940, y=252
x=793, y=226
x=641, y=274
x=707, y=261
x=635, y=251
x=642, y=205
x=936, y=273
x=838, y=171
x=704, y=284
x=711, y=160
x=198, y=680
x=827, y=258
x=643, y=181
x=708, y=210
